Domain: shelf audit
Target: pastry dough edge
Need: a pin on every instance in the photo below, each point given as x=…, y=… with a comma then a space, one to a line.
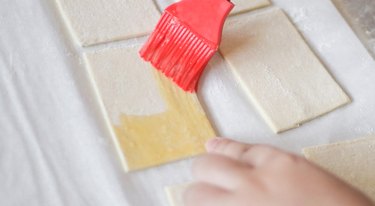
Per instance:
x=169, y=196
x=170, y=189
x=307, y=150
x=104, y=112
x=252, y=98
x=249, y=9
x=68, y=24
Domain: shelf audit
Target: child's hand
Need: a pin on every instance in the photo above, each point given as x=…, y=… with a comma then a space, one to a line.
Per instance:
x=236, y=174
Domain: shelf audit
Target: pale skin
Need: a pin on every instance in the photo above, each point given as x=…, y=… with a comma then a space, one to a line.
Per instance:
x=236, y=174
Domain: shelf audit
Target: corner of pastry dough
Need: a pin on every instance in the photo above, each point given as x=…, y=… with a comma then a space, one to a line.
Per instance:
x=353, y=161
x=175, y=194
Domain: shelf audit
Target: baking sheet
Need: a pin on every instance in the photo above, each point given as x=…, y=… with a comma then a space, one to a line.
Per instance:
x=55, y=149
x=360, y=16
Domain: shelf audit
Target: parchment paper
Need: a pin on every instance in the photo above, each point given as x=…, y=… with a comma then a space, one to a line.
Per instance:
x=56, y=151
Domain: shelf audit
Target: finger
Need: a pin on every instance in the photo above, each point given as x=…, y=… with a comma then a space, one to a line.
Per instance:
x=253, y=155
x=220, y=171
x=263, y=155
x=227, y=147
x=203, y=194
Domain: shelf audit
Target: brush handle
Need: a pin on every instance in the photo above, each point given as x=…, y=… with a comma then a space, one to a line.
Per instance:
x=204, y=17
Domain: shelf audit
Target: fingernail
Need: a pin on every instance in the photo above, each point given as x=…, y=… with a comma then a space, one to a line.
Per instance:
x=212, y=144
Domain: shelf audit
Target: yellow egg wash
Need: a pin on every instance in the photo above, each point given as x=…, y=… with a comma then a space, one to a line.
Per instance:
x=179, y=132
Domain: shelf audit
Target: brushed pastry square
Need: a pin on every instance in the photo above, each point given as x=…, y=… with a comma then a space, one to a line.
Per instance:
x=98, y=21
x=279, y=72
x=152, y=121
x=353, y=161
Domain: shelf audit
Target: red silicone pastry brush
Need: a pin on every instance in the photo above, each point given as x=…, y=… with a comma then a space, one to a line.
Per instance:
x=185, y=38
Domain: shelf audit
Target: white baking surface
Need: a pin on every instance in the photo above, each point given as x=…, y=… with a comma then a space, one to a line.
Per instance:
x=55, y=149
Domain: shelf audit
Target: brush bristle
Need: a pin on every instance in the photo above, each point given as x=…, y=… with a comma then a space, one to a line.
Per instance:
x=178, y=52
